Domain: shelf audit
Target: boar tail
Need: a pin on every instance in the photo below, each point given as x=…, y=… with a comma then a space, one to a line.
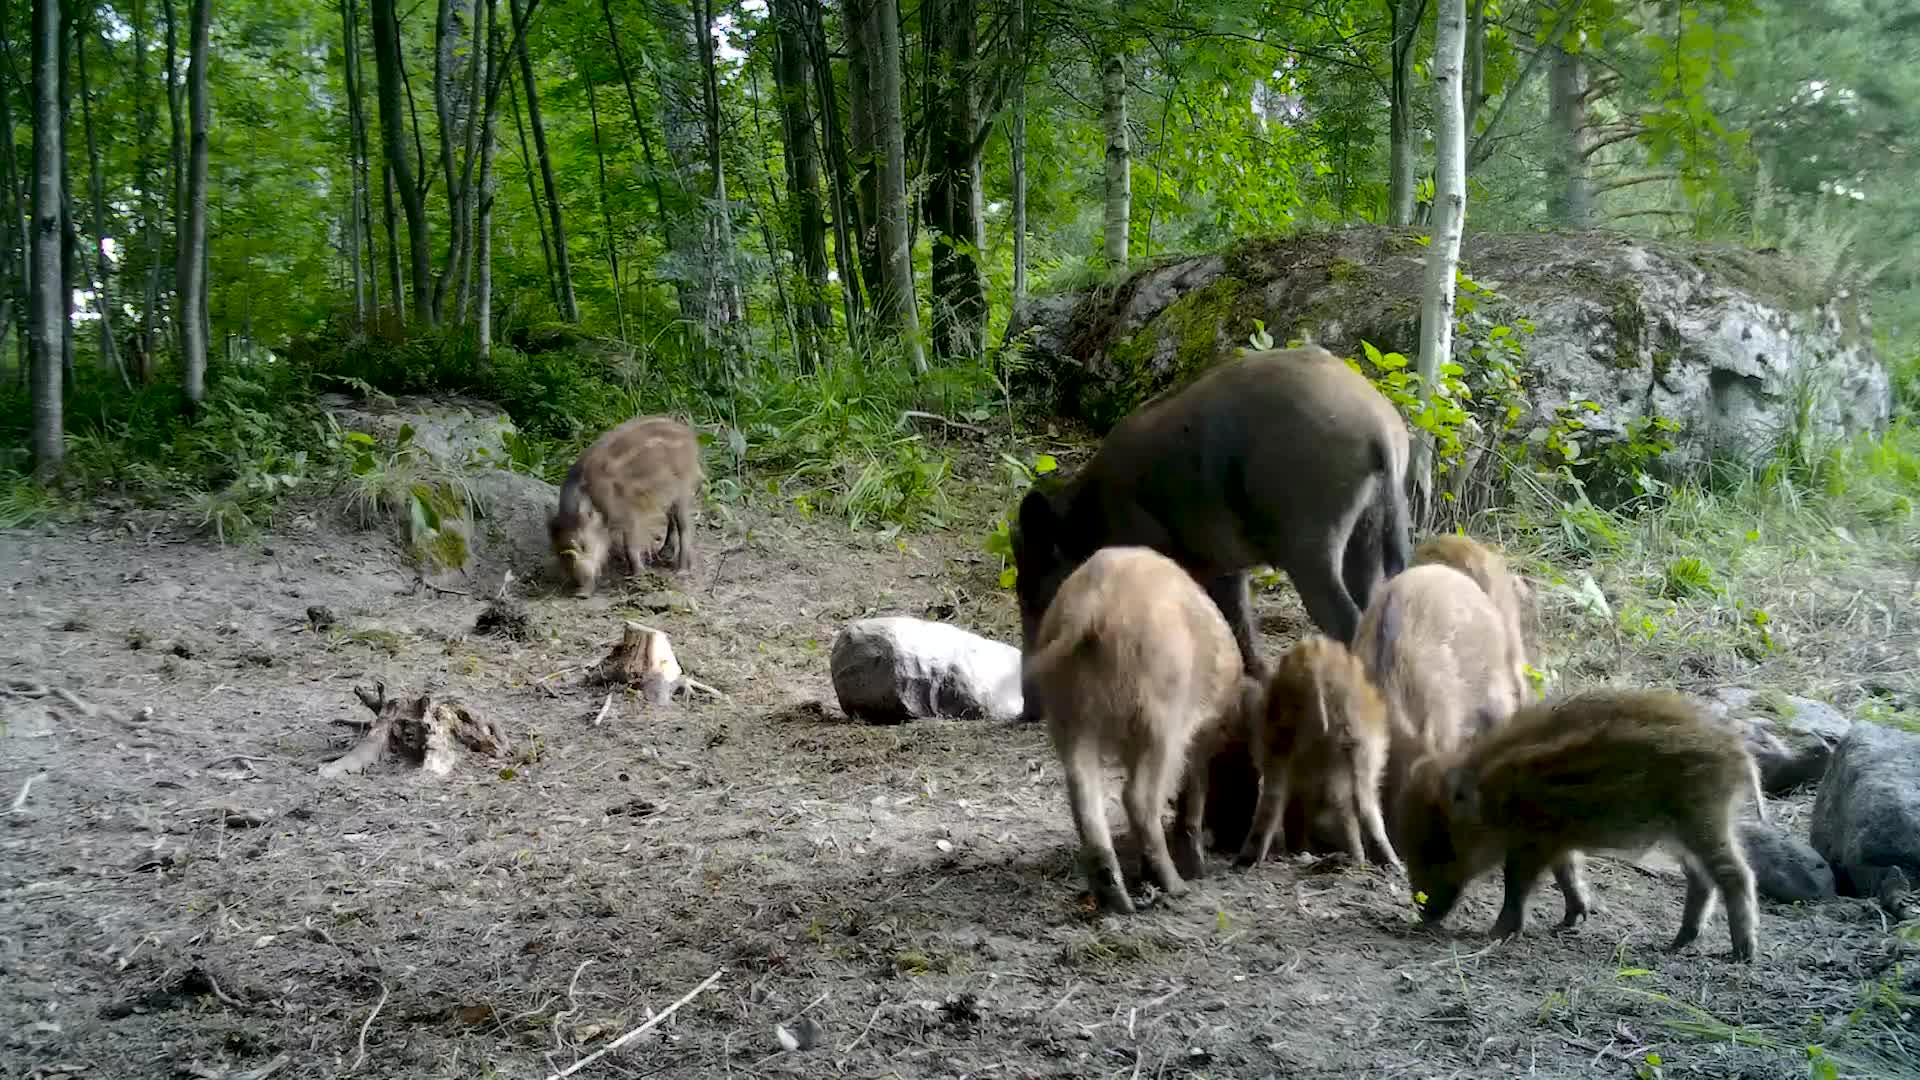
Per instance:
x=1753, y=788
x=1383, y=640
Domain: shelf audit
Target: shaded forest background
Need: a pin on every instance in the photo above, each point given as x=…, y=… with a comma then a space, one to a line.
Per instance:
x=792, y=220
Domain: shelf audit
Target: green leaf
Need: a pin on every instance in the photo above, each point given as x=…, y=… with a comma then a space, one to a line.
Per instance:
x=1044, y=464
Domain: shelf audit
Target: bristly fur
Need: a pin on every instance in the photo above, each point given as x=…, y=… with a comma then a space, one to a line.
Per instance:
x=646, y=466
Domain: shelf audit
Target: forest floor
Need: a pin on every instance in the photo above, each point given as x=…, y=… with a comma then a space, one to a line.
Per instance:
x=184, y=895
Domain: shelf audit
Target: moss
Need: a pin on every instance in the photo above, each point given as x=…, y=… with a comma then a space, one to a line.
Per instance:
x=1346, y=271
x=1191, y=325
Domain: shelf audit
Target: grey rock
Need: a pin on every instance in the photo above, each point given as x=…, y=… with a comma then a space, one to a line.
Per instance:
x=1719, y=339
x=509, y=530
x=1796, y=718
x=456, y=431
x=1866, y=819
x=894, y=669
x=1785, y=868
x=1783, y=768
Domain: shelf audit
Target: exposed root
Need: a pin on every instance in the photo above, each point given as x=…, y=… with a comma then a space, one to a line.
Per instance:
x=420, y=730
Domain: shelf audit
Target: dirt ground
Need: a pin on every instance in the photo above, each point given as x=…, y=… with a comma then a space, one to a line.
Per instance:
x=183, y=895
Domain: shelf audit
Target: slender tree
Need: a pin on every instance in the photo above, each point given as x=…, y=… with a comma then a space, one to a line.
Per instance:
x=726, y=306
x=14, y=236
x=390, y=75
x=48, y=440
x=192, y=271
x=807, y=225
x=895, y=305
x=846, y=221
x=1017, y=151
x=952, y=203
x=563, y=266
x=1569, y=191
x=1450, y=209
x=176, y=166
x=1119, y=176
x=1404, y=19
x=483, y=214
x=143, y=343
x=103, y=295
x=863, y=145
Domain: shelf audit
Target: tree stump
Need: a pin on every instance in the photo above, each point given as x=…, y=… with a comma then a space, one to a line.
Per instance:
x=421, y=731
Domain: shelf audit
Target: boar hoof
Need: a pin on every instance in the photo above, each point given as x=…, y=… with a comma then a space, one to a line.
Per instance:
x=1113, y=898
x=1187, y=858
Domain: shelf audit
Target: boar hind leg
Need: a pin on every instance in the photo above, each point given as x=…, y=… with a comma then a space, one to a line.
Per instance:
x=1699, y=904
x=1316, y=572
x=1523, y=869
x=1573, y=888
x=1189, y=818
x=1266, y=820
x=1086, y=795
x=1229, y=593
x=1367, y=802
x=1728, y=870
x=678, y=535
x=1150, y=779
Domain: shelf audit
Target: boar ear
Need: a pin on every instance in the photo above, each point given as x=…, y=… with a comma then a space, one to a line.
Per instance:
x=1463, y=795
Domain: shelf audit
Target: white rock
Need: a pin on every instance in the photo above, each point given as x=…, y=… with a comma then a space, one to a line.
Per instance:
x=894, y=669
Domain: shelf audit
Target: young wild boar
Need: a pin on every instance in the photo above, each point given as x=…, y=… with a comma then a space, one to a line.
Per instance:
x=1322, y=736
x=1507, y=590
x=1131, y=659
x=1608, y=769
x=648, y=465
x=1286, y=458
x=1433, y=643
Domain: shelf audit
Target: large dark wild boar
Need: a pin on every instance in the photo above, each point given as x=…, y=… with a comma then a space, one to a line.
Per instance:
x=646, y=466
x=1604, y=770
x=1322, y=736
x=1508, y=591
x=1132, y=660
x=1287, y=458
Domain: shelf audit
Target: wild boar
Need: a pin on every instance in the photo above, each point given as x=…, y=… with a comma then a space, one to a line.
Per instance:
x=646, y=466
x=1603, y=770
x=1508, y=591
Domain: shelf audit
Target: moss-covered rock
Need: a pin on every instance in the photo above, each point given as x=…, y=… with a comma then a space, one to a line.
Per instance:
x=1721, y=340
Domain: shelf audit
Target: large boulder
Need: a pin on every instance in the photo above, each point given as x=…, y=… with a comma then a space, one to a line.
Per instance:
x=457, y=431
x=894, y=669
x=1724, y=341
x=1866, y=819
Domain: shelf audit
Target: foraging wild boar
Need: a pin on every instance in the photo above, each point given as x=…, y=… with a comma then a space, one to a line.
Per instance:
x=1131, y=659
x=647, y=465
x=1508, y=591
x=1433, y=643
x=1286, y=457
x=1607, y=769
x=1321, y=736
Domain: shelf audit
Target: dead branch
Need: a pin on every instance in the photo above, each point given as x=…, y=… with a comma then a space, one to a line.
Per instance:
x=362, y=1056
x=606, y=707
x=20, y=800
x=639, y=1031
x=916, y=414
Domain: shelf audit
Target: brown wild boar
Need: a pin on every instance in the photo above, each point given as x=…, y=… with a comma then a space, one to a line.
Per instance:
x=646, y=466
x=1321, y=736
x=1131, y=659
x=1433, y=643
x=1508, y=591
x=1287, y=458
x=1603, y=770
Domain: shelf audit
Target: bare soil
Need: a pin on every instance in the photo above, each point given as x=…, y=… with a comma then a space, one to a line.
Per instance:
x=183, y=895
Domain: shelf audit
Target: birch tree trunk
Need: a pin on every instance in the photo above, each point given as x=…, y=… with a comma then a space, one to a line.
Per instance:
x=483, y=213
x=1119, y=186
x=1569, y=193
x=563, y=265
x=43, y=323
x=1450, y=209
x=193, y=287
x=176, y=169
x=896, y=307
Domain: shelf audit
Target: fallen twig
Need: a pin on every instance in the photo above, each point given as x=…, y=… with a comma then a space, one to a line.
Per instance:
x=441, y=589
x=605, y=709
x=20, y=800
x=639, y=1031
x=691, y=683
x=363, y=1028
x=916, y=414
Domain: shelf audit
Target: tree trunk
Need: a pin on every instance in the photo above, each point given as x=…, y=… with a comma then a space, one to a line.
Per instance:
x=606, y=212
x=807, y=232
x=864, y=142
x=1017, y=150
x=563, y=266
x=1405, y=21
x=1450, y=208
x=48, y=440
x=1473, y=87
x=533, y=195
x=725, y=306
x=103, y=297
x=393, y=130
x=69, y=228
x=396, y=286
x=363, y=168
x=846, y=224
x=14, y=279
x=142, y=344
x=349, y=30
x=176, y=170
x=895, y=307
x=951, y=204
x=193, y=287
x=1119, y=184
x=483, y=215
x=1569, y=192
